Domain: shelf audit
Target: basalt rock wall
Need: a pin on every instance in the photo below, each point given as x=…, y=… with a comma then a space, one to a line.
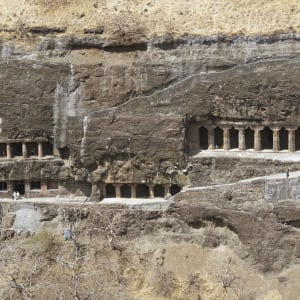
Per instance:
x=123, y=112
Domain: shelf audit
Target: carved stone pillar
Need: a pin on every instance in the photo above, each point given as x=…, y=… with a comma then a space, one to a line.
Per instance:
x=118, y=190
x=292, y=140
x=166, y=190
x=242, y=141
x=257, y=138
x=8, y=151
x=151, y=191
x=211, y=138
x=133, y=190
x=226, y=138
x=24, y=150
x=193, y=138
x=40, y=149
x=44, y=188
x=276, y=141
x=27, y=188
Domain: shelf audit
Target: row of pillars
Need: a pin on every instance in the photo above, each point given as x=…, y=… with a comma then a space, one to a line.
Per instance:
x=24, y=150
x=118, y=193
x=241, y=137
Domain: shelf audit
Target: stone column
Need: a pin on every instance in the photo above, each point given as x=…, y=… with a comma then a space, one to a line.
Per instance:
x=193, y=138
x=44, y=188
x=40, y=149
x=133, y=190
x=151, y=191
x=257, y=138
x=226, y=138
x=242, y=141
x=166, y=190
x=24, y=150
x=8, y=151
x=211, y=138
x=276, y=141
x=118, y=190
x=27, y=188
x=292, y=141
x=96, y=192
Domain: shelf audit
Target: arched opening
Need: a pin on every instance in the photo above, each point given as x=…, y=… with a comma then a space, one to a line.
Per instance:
x=234, y=138
x=110, y=191
x=297, y=139
x=203, y=137
x=3, y=150
x=174, y=189
x=125, y=191
x=159, y=191
x=283, y=139
x=47, y=148
x=32, y=149
x=218, y=134
x=267, y=138
x=142, y=191
x=249, y=138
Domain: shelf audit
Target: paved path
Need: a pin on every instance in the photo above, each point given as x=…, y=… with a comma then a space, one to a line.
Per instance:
x=156, y=203
x=265, y=154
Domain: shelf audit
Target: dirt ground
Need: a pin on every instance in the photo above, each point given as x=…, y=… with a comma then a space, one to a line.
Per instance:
x=177, y=17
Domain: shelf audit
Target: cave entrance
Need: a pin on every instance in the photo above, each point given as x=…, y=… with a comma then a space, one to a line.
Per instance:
x=174, y=189
x=110, y=191
x=218, y=135
x=159, y=191
x=125, y=191
x=249, y=138
x=203, y=137
x=234, y=138
x=283, y=139
x=267, y=139
x=142, y=191
x=64, y=153
x=19, y=186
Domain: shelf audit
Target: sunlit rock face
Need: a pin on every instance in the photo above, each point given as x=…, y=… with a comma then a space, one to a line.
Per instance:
x=117, y=100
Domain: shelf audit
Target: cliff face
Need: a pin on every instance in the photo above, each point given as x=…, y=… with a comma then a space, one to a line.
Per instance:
x=113, y=93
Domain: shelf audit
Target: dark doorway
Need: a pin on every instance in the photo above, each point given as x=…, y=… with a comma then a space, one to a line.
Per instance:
x=142, y=191
x=32, y=149
x=234, y=138
x=47, y=148
x=159, y=191
x=35, y=185
x=218, y=134
x=64, y=152
x=203, y=137
x=110, y=191
x=267, y=138
x=174, y=189
x=297, y=139
x=16, y=150
x=3, y=150
x=19, y=186
x=3, y=186
x=125, y=191
x=283, y=139
x=249, y=138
